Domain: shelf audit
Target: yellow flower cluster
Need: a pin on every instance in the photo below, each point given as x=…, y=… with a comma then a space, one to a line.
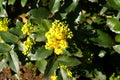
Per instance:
x=4, y=24
x=27, y=28
x=53, y=77
x=28, y=45
x=57, y=36
x=69, y=73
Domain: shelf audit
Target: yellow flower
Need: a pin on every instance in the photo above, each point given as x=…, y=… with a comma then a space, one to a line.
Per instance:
x=53, y=77
x=63, y=66
x=58, y=51
x=57, y=37
x=69, y=73
x=27, y=28
x=4, y=24
x=28, y=45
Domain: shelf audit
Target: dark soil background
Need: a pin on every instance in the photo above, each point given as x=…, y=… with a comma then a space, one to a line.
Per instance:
x=26, y=73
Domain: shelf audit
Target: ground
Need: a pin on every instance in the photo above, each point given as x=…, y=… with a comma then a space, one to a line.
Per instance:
x=26, y=73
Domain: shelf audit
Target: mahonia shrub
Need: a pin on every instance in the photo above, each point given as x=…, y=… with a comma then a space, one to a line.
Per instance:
x=63, y=39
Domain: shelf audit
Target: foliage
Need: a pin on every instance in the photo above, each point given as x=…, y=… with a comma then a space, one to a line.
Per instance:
x=83, y=36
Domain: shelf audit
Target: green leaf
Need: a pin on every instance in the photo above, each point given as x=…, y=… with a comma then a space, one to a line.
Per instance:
x=117, y=48
x=68, y=60
x=8, y=37
x=41, y=65
x=13, y=61
x=54, y=5
x=102, y=53
x=114, y=77
x=1, y=2
x=93, y=1
x=103, y=10
x=17, y=30
x=20, y=46
x=40, y=36
x=41, y=53
x=77, y=20
x=98, y=75
x=64, y=74
x=11, y=2
x=3, y=64
x=72, y=6
x=23, y=2
x=114, y=25
x=3, y=12
x=39, y=13
x=42, y=28
x=114, y=4
x=4, y=48
x=43, y=24
x=46, y=24
x=66, y=52
x=51, y=67
x=117, y=38
x=63, y=15
x=118, y=15
x=78, y=53
x=103, y=39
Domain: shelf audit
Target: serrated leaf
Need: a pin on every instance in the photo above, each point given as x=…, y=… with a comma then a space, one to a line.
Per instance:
x=51, y=67
x=54, y=5
x=103, y=39
x=41, y=65
x=41, y=53
x=41, y=13
x=13, y=61
x=113, y=25
x=8, y=37
x=68, y=60
x=23, y=2
x=4, y=47
x=117, y=48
